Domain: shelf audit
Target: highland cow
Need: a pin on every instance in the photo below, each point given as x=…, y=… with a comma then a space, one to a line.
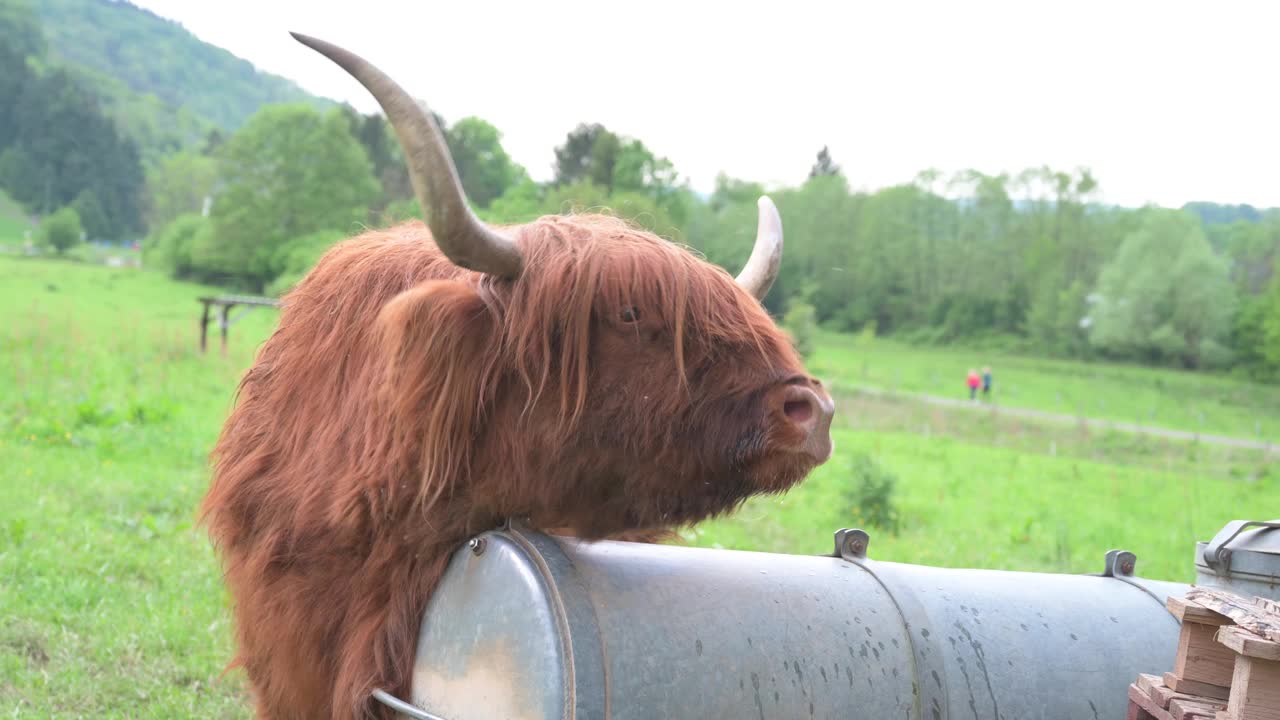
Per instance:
x=429, y=381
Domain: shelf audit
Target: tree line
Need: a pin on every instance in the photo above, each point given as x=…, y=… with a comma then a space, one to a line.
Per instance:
x=1024, y=262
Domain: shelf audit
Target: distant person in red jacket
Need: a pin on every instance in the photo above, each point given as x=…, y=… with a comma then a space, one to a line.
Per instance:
x=974, y=381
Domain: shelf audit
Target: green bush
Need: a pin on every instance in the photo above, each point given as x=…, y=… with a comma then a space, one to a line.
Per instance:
x=61, y=230
x=170, y=247
x=1215, y=355
x=870, y=494
x=293, y=260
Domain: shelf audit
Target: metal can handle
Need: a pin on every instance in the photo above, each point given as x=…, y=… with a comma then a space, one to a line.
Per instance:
x=401, y=706
x=1216, y=551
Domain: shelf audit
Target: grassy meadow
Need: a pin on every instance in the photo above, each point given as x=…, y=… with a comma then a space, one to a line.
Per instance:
x=111, y=603
x=1193, y=402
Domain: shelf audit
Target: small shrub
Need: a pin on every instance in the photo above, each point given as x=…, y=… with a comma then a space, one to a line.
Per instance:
x=61, y=230
x=156, y=411
x=871, y=493
x=91, y=414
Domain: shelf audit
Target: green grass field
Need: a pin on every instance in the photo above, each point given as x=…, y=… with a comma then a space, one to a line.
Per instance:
x=1164, y=398
x=110, y=599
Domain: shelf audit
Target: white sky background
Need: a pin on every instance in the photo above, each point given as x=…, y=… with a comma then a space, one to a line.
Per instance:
x=1166, y=102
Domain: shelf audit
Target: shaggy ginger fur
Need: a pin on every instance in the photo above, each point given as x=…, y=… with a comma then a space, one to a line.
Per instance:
x=616, y=389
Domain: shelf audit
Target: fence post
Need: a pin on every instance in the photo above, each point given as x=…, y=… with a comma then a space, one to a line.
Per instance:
x=204, y=326
x=222, y=322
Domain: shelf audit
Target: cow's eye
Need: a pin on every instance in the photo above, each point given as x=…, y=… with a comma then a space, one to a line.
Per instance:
x=630, y=314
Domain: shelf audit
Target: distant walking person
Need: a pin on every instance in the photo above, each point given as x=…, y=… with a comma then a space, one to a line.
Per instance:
x=986, y=383
x=973, y=381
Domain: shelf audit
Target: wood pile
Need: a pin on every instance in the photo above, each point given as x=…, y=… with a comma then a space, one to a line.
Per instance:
x=1227, y=666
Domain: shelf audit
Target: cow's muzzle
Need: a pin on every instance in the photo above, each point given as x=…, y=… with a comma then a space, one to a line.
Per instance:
x=804, y=408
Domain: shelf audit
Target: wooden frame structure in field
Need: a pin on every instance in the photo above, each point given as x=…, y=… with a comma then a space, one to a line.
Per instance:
x=224, y=304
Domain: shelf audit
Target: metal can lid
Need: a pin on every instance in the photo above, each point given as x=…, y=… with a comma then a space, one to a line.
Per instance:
x=1242, y=548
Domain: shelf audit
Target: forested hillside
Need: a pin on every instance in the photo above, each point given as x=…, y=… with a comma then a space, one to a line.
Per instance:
x=99, y=94
x=58, y=147
x=161, y=81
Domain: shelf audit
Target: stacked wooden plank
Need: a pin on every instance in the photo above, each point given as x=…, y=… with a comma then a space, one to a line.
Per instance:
x=1203, y=666
x=1227, y=666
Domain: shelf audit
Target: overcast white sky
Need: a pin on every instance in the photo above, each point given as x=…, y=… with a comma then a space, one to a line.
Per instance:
x=1165, y=101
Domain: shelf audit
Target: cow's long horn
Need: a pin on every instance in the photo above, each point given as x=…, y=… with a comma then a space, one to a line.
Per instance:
x=465, y=240
x=766, y=257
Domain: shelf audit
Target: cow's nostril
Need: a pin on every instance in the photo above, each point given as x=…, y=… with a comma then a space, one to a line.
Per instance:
x=806, y=416
x=798, y=410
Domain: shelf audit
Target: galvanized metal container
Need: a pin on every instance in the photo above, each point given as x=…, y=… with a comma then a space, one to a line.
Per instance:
x=529, y=626
x=1244, y=558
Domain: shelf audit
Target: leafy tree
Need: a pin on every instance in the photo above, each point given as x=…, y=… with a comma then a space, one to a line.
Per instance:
x=397, y=212
x=179, y=185
x=62, y=145
x=14, y=75
x=291, y=171
x=378, y=139
x=732, y=191
x=1054, y=318
x=1252, y=247
x=637, y=169
x=91, y=215
x=577, y=197
x=1215, y=214
x=212, y=141
x=1249, y=338
x=520, y=203
x=294, y=259
x=636, y=208
x=1257, y=335
x=485, y=169
x=170, y=247
x=61, y=230
x=590, y=153
x=20, y=38
x=623, y=173
x=1165, y=296
x=824, y=165
x=574, y=159
x=20, y=31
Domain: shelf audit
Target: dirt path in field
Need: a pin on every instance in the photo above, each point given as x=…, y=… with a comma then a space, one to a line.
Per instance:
x=1095, y=423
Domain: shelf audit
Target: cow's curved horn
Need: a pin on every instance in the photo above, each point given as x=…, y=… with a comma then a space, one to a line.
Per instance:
x=465, y=240
x=766, y=257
